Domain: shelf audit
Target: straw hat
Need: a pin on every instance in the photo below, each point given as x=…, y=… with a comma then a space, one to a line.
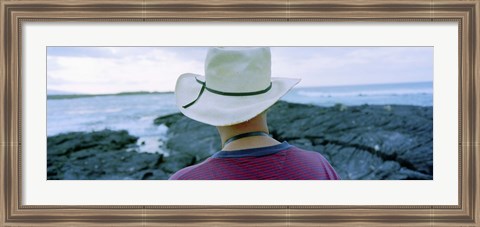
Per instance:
x=237, y=86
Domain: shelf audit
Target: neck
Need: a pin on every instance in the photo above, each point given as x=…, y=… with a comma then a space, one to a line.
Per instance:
x=257, y=123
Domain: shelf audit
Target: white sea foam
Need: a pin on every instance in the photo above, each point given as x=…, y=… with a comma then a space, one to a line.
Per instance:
x=136, y=113
x=365, y=93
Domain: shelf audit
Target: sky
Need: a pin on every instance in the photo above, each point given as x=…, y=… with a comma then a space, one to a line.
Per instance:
x=107, y=70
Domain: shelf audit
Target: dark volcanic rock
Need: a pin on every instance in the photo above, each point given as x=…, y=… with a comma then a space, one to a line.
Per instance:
x=365, y=137
x=168, y=120
x=190, y=142
x=201, y=142
x=361, y=142
x=99, y=155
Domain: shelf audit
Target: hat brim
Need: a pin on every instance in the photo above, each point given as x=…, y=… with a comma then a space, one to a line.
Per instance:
x=222, y=110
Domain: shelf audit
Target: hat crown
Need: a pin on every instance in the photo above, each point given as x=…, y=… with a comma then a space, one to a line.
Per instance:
x=246, y=69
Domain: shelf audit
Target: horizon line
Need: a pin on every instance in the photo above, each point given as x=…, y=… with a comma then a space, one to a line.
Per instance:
x=170, y=91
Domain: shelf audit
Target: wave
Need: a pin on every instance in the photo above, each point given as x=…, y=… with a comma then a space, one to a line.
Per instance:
x=365, y=93
x=92, y=111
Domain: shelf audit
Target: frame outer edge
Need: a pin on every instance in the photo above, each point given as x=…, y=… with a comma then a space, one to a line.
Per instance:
x=3, y=172
x=472, y=146
x=2, y=74
x=476, y=116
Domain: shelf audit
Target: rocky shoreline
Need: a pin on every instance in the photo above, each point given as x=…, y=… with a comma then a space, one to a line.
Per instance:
x=361, y=142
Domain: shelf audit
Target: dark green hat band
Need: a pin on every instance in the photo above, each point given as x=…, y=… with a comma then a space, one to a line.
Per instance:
x=204, y=86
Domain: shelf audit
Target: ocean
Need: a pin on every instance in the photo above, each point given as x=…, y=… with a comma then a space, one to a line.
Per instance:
x=135, y=113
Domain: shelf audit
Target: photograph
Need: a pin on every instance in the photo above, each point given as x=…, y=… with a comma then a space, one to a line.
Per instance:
x=239, y=112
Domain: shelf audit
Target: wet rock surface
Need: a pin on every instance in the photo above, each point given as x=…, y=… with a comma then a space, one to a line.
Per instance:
x=361, y=142
x=100, y=155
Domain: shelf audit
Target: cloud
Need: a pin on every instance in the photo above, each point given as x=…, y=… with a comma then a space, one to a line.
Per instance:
x=328, y=66
x=120, y=70
x=103, y=70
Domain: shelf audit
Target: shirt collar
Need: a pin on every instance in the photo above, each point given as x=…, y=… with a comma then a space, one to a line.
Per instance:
x=252, y=152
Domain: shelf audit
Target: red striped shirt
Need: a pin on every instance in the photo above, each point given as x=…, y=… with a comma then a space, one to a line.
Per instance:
x=278, y=162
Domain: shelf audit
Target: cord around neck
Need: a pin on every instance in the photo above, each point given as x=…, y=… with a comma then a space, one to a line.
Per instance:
x=243, y=135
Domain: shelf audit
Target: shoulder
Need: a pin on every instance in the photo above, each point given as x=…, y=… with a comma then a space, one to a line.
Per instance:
x=306, y=155
x=186, y=173
x=311, y=160
x=178, y=175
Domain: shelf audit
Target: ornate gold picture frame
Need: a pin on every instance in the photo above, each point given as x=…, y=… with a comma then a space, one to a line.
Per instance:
x=14, y=13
